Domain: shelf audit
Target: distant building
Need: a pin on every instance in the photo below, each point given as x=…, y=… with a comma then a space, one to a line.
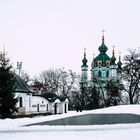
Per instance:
x=103, y=69
x=28, y=103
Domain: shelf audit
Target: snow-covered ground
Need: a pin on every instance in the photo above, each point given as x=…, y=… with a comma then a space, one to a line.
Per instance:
x=12, y=129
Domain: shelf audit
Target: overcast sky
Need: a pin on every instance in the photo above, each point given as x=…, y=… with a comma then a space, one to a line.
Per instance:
x=47, y=34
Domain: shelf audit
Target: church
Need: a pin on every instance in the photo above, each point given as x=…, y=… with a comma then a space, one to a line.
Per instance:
x=31, y=104
x=104, y=71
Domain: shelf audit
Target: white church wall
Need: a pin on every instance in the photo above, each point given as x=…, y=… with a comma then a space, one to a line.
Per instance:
x=28, y=104
x=39, y=104
x=24, y=102
x=64, y=106
x=55, y=106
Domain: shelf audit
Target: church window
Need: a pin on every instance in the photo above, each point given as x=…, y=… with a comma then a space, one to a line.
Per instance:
x=99, y=63
x=104, y=73
x=107, y=63
x=47, y=107
x=20, y=102
x=107, y=74
x=100, y=74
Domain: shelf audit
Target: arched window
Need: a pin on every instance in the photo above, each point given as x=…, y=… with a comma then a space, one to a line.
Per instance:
x=65, y=108
x=99, y=73
x=107, y=74
x=20, y=102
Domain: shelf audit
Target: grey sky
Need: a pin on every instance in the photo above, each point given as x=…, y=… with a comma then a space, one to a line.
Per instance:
x=53, y=33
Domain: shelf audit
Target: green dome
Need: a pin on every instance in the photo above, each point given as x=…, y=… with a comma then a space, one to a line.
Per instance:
x=102, y=59
x=113, y=59
x=119, y=63
x=103, y=48
x=84, y=61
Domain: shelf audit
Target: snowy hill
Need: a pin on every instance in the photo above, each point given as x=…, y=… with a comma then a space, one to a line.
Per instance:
x=10, y=123
x=12, y=129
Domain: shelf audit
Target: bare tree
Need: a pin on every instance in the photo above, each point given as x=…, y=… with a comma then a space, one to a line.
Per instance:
x=131, y=75
x=25, y=77
x=67, y=82
x=59, y=81
x=37, y=86
x=50, y=79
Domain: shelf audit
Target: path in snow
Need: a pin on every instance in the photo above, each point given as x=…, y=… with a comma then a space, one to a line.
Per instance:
x=94, y=119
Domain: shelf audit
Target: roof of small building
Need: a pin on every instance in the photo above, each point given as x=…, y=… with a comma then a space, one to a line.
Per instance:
x=21, y=85
x=52, y=96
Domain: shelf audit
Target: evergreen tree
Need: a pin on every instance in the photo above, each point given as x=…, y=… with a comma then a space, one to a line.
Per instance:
x=113, y=92
x=7, y=89
x=93, y=99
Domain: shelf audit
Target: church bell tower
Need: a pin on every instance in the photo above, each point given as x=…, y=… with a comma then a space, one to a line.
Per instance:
x=84, y=68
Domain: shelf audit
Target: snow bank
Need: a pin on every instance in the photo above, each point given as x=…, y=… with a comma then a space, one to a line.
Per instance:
x=10, y=124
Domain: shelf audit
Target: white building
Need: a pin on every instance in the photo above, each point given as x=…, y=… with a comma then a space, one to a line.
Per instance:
x=36, y=104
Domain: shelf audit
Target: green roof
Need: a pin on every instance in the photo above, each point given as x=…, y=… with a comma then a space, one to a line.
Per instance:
x=102, y=56
x=21, y=85
x=52, y=96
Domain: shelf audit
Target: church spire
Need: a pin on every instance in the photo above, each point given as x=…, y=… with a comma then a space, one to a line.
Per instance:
x=119, y=63
x=84, y=59
x=84, y=68
x=113, y=59
x=103, y=48
x=103, y=36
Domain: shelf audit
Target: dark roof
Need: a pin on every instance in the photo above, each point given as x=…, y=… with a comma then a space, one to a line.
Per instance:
x=21, y=85
x=52, y=96
x=102, y=57
x=63, y=98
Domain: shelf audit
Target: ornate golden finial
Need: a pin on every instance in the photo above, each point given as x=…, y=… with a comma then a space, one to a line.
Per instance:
x=113, y=50
x=84, y=52
x=103, y=35
x=119, y=56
